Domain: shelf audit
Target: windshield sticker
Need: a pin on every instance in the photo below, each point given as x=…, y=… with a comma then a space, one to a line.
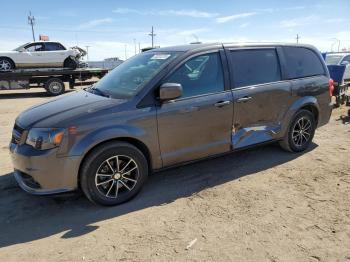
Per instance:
x=160, y=56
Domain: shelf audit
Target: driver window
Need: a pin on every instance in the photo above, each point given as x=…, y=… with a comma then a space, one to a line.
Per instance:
x=200, y=75
x=35, y=48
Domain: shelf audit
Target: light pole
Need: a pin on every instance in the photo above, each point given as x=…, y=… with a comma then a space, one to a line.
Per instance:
x=31, y=21
x=135, y=45
x=87, y=52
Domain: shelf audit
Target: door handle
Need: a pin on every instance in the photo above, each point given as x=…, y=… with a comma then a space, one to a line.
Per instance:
x=244, y=99
x=222, y=103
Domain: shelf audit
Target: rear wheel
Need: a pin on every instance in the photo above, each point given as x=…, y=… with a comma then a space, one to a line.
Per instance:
x=113, y=173
x=70, y=63
x=54, y=86
x=6, y=64
x=300, y=133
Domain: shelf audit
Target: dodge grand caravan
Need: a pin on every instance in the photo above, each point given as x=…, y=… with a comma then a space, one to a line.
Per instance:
x=166, y=107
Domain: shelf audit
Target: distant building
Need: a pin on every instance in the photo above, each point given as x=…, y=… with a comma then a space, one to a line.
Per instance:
x=108, y=63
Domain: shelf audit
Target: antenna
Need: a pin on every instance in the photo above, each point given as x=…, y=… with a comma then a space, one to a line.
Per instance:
x=152, y=34
x=31, y=21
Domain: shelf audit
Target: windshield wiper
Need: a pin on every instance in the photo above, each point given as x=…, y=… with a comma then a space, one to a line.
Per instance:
x=97, y=91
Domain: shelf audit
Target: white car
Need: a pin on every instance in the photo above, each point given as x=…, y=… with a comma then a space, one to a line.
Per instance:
x=41, y=55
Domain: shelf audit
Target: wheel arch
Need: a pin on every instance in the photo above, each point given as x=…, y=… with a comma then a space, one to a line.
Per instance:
x=133, y=141
x=11, y=60
x=308, y=103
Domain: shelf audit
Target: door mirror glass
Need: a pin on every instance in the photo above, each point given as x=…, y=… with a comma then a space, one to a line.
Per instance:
x=345, y=63
x=169, y=91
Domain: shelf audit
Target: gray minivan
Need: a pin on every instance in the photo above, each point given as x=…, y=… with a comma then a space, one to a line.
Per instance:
x=166, y=107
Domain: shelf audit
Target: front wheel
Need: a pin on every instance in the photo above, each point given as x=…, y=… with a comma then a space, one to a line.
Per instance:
x=300, y=133
x=6, y=64
x=113, y=173
x=70, y=63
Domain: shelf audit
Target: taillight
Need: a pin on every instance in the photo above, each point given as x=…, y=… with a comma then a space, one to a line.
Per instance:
x=331, y=87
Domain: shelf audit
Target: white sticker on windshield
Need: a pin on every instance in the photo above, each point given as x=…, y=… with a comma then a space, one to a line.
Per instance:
x=160, y=56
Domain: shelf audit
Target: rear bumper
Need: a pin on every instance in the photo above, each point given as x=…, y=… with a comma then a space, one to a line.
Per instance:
x=325, y=114
x=42, y=172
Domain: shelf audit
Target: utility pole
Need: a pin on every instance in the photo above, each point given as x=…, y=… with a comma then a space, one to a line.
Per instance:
x=152, y=34
x=297, y=38
x=87, y=52
x=125, y=53
x=139, y=47
x=31, y=21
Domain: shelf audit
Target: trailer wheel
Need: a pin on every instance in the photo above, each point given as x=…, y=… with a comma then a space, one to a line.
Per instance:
x=54, y=86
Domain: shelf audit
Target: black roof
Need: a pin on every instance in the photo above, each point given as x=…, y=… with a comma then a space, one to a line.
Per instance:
x=190, y=47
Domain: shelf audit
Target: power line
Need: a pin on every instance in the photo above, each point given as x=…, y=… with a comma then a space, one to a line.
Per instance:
x=31, y=21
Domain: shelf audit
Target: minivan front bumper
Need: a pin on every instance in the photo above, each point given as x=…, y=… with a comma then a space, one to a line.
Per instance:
x=43, y=172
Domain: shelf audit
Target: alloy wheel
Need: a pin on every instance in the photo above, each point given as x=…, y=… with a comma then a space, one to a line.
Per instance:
x=5, y=65
x=302, y=131
x=116, y=176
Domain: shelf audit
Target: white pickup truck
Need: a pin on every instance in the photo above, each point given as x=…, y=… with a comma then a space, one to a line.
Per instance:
x=41, y=55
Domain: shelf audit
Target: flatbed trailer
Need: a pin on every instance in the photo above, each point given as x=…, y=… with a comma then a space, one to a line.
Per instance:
x=52, y=79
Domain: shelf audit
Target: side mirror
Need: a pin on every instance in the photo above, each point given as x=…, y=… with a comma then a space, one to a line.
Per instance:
x=21, y=50
x=169, y=91
x=344, y=63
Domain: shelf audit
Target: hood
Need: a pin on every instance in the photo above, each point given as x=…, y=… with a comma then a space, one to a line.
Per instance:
x=58, y=112
x=7, y=52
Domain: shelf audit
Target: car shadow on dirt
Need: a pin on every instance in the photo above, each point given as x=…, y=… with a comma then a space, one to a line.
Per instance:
x=27, y=218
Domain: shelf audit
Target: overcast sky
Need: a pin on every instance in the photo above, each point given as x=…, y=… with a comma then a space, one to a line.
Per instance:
x=109, y=26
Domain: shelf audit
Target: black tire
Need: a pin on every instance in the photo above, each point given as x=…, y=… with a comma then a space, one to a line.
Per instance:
x=6, y=64
x=55, y=87
x=70, y=63
x=295, y=139
x=95, y=173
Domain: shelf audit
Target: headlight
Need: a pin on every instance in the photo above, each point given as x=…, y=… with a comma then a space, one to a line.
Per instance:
x=44, y=138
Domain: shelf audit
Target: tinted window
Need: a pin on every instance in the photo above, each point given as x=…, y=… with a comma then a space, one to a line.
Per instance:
x=346, y=59
x=252, y=67
x=200, y=75
x=53, y=47
x=34, y=47
x=302, y=62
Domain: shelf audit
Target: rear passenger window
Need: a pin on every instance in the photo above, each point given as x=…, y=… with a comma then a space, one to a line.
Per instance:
x=252, y=67
x=302, y=62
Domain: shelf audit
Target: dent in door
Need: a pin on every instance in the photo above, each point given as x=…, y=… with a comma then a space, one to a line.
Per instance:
x=242, y=137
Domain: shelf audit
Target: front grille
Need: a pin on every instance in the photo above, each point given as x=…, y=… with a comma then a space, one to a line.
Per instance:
x=18, y=134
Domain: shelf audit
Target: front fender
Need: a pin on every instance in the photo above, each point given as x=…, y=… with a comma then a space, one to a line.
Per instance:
x=101, y=135
x=294, y=108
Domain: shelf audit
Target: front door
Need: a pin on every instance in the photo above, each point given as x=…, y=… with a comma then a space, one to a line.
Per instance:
x=261, y=98
x=199, y=123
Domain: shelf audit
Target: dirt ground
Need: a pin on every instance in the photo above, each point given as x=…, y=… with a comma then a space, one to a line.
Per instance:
x=258, y=205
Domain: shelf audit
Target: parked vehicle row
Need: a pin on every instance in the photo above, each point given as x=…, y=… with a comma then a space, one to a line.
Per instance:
x=167, y=107
x=339, y=69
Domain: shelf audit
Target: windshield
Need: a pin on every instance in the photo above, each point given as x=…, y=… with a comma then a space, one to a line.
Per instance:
x=20, y=47
x=333, y=59
x=128, y=78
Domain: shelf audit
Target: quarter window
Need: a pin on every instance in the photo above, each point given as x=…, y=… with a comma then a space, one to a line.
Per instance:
x=202, y=74
x=53, y=47
x=252, y=67
x=302, y=62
